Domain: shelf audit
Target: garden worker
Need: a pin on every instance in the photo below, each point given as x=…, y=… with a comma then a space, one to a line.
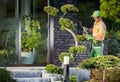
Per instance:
x=98, y=35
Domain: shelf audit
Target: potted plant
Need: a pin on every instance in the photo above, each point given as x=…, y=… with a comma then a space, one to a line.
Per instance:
x=30, y=39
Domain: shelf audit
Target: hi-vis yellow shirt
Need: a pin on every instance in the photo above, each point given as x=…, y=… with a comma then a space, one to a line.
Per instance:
x=99, y=28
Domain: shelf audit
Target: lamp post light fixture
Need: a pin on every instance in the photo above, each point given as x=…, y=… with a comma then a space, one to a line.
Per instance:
x=66, y=69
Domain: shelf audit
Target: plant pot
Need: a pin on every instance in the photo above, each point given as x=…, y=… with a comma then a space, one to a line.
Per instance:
x=27, y=57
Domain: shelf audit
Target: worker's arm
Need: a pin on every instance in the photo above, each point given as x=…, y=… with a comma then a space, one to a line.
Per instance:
x=88, y=29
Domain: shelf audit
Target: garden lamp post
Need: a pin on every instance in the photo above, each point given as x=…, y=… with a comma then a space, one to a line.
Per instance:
x=66, y=69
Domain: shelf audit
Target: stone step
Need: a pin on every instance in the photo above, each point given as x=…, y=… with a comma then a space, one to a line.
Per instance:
x=33, y=79
x=21, y=75
x=55, y=76
x=26, y=73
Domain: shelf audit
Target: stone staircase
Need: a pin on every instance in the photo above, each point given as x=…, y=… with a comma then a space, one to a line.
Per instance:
x=29, y=75
x=41, y=75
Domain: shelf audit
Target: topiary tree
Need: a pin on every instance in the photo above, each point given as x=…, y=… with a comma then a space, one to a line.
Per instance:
x=67, y=25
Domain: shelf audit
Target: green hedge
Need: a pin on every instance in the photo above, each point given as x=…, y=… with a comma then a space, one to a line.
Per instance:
x=100, y=62
x=109, y=63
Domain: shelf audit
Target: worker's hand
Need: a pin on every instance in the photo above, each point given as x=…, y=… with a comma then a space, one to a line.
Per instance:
x=84, y=28
x=89, y=37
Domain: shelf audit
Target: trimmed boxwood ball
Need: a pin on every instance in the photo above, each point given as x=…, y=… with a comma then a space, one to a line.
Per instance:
x=51, y=68
x=72, y=78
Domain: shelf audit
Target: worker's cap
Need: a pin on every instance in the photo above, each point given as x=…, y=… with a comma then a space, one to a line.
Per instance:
x=96, y=13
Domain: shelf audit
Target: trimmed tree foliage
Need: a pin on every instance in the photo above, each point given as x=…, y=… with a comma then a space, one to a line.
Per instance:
x=51, y=68
x=110, y=9
x=100, y=62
